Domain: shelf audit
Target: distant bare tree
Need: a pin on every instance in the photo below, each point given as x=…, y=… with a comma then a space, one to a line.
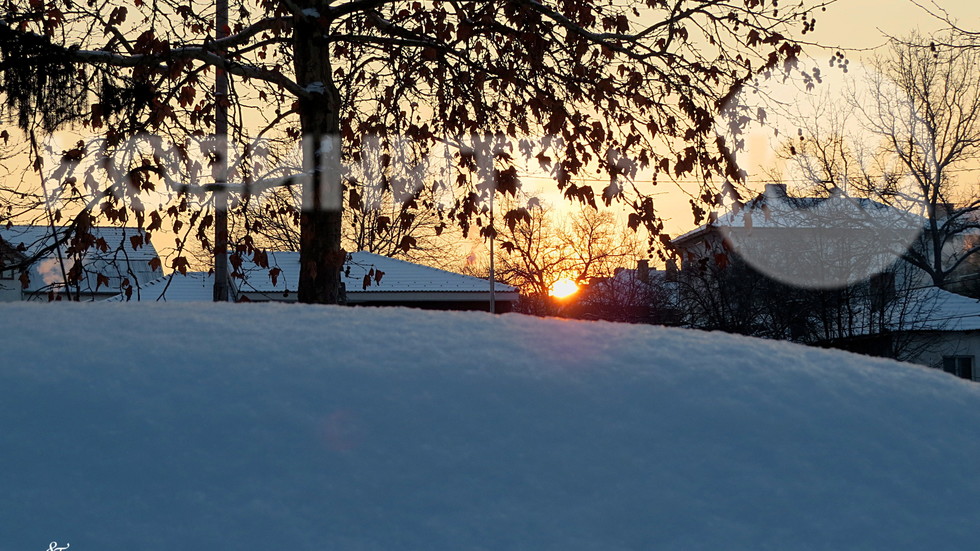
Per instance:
x=540, y=245
x=909, y=142
x=928, y=115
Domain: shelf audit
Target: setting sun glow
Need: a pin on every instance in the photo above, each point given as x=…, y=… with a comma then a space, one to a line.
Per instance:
x=563, y=288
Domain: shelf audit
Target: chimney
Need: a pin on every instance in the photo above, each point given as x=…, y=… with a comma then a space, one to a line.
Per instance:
x=776, y=191
x=643, y=270
x=944, y=210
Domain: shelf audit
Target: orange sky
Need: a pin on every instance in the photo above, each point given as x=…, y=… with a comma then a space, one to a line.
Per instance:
x=856, y=25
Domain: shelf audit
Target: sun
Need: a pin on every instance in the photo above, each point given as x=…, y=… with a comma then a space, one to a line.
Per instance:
x=563, y=288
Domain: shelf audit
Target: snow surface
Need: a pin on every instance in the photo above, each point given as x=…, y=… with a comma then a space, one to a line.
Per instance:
x=283, y=427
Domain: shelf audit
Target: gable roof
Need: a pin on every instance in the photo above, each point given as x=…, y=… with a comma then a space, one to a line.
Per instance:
x=121, y=261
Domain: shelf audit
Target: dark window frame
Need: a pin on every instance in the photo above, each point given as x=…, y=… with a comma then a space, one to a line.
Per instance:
x=961, y=365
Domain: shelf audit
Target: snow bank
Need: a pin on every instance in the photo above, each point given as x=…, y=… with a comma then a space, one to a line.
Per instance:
x=276, y=427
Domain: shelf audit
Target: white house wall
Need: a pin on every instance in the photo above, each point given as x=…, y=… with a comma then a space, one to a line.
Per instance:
x=950, y=343
x=9, y=290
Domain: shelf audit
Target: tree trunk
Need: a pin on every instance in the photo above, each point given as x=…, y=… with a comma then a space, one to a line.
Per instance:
x=321, y=257
x=221, y=289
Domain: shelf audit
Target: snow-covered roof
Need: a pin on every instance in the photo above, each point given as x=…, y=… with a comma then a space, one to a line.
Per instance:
x=121, y=259
x=919, y=310
x=176, y=287
x=775, y=209
x=948, y=311
x=31, y=238
x=399, y=276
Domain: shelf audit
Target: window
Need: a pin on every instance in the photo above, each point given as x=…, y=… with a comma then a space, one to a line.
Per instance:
x=961, y=366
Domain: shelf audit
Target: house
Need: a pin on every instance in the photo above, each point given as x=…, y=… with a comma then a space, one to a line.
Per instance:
x=949, y=338
x=813, y=242
x=369, y=280
x=113, y=259
x=825, y=272
x=934, y=328
x=640, y=295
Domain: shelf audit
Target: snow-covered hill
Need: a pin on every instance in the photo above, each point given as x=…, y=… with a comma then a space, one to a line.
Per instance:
x=292, y=428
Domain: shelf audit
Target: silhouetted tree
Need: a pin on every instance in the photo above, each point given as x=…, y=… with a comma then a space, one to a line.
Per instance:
x=642, y=79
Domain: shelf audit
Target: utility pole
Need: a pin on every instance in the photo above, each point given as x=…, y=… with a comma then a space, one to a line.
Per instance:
x=493, y=234
x=220, y=194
